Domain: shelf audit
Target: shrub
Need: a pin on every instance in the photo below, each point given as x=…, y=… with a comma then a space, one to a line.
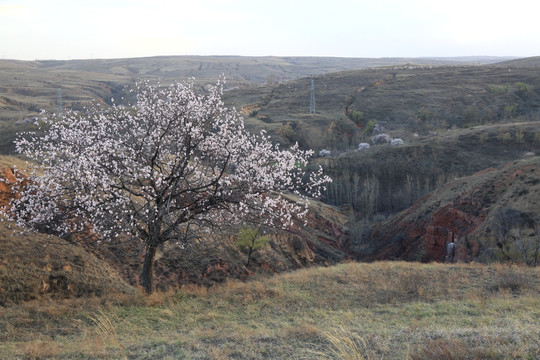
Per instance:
x=370, y=126
x=288, y=131
x=380, y=139
x=378, y=129
x=250, y=240
x=324, y=152
x=510, y=110
x=522, y=87
x=357, y=117
x=363, y=146
x=499, y=89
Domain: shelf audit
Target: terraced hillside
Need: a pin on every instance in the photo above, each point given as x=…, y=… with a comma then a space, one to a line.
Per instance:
x=26, y=87
x=404, y=100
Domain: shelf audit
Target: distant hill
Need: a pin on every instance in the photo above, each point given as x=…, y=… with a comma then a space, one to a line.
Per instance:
x=455, y=117
x=404, y=100
x=26, y=87
x=474, y=60
x=524, y=62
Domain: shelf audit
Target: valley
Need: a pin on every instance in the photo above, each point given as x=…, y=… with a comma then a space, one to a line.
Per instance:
x=466, y=128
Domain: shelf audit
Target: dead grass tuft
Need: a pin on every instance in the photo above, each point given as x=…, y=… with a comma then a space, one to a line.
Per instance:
x=105, y=328
x=304, y=331
x=40, y=349
x=475, y=347
x=346, y=345
x=511, y=278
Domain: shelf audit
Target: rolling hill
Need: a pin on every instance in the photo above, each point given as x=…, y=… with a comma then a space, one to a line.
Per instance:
x=455, y=121
x=37, y=266
x=405, y=100
x=525, y=62
x=27, y=87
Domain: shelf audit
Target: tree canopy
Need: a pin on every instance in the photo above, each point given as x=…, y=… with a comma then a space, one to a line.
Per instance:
x=160, y=171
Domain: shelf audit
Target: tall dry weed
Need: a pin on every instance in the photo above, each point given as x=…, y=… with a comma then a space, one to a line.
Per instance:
x=345, y=345
x=106, y=330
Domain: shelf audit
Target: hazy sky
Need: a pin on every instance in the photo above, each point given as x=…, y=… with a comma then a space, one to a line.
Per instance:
x=82, y=29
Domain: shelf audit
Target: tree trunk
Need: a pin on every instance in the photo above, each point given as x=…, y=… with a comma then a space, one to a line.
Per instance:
x=249, y=255
x=148, y=268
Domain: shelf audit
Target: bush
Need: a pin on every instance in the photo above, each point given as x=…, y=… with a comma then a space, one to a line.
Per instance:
x=370, y=126
x=288, y=131
x=381, y=139
x=499, y=89
x=363, y=146
x=357, y=117
x=250, y=240
x=324, y=152
x=510, y=110
x=378, y=129
x=522, y=87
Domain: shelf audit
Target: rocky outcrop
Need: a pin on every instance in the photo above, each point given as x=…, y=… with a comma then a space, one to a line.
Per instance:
x=7, y=179
x=463, y=211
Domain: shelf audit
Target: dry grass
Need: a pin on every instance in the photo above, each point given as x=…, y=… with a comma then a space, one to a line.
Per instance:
x=41, y=349
x=36, y=265
x=351, y=311
x=345, y=345
x=11, y=161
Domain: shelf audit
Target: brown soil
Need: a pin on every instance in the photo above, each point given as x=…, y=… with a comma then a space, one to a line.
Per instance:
x=462, y=211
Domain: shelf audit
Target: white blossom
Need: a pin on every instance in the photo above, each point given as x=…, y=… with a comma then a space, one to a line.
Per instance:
x=176, y=158
x=363, y=146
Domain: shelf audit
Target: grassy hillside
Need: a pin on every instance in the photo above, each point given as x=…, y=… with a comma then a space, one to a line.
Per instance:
x=525, y=62
x=404, y=100
x=37, y=266
x=424, y=99
x=26, y=87
x=372, y=311
x=396, y=176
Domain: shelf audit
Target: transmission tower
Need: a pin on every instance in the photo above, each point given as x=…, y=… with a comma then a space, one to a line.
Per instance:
x=312, y=98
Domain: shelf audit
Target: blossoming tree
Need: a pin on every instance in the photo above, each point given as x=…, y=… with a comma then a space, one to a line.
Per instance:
x=159, y=171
